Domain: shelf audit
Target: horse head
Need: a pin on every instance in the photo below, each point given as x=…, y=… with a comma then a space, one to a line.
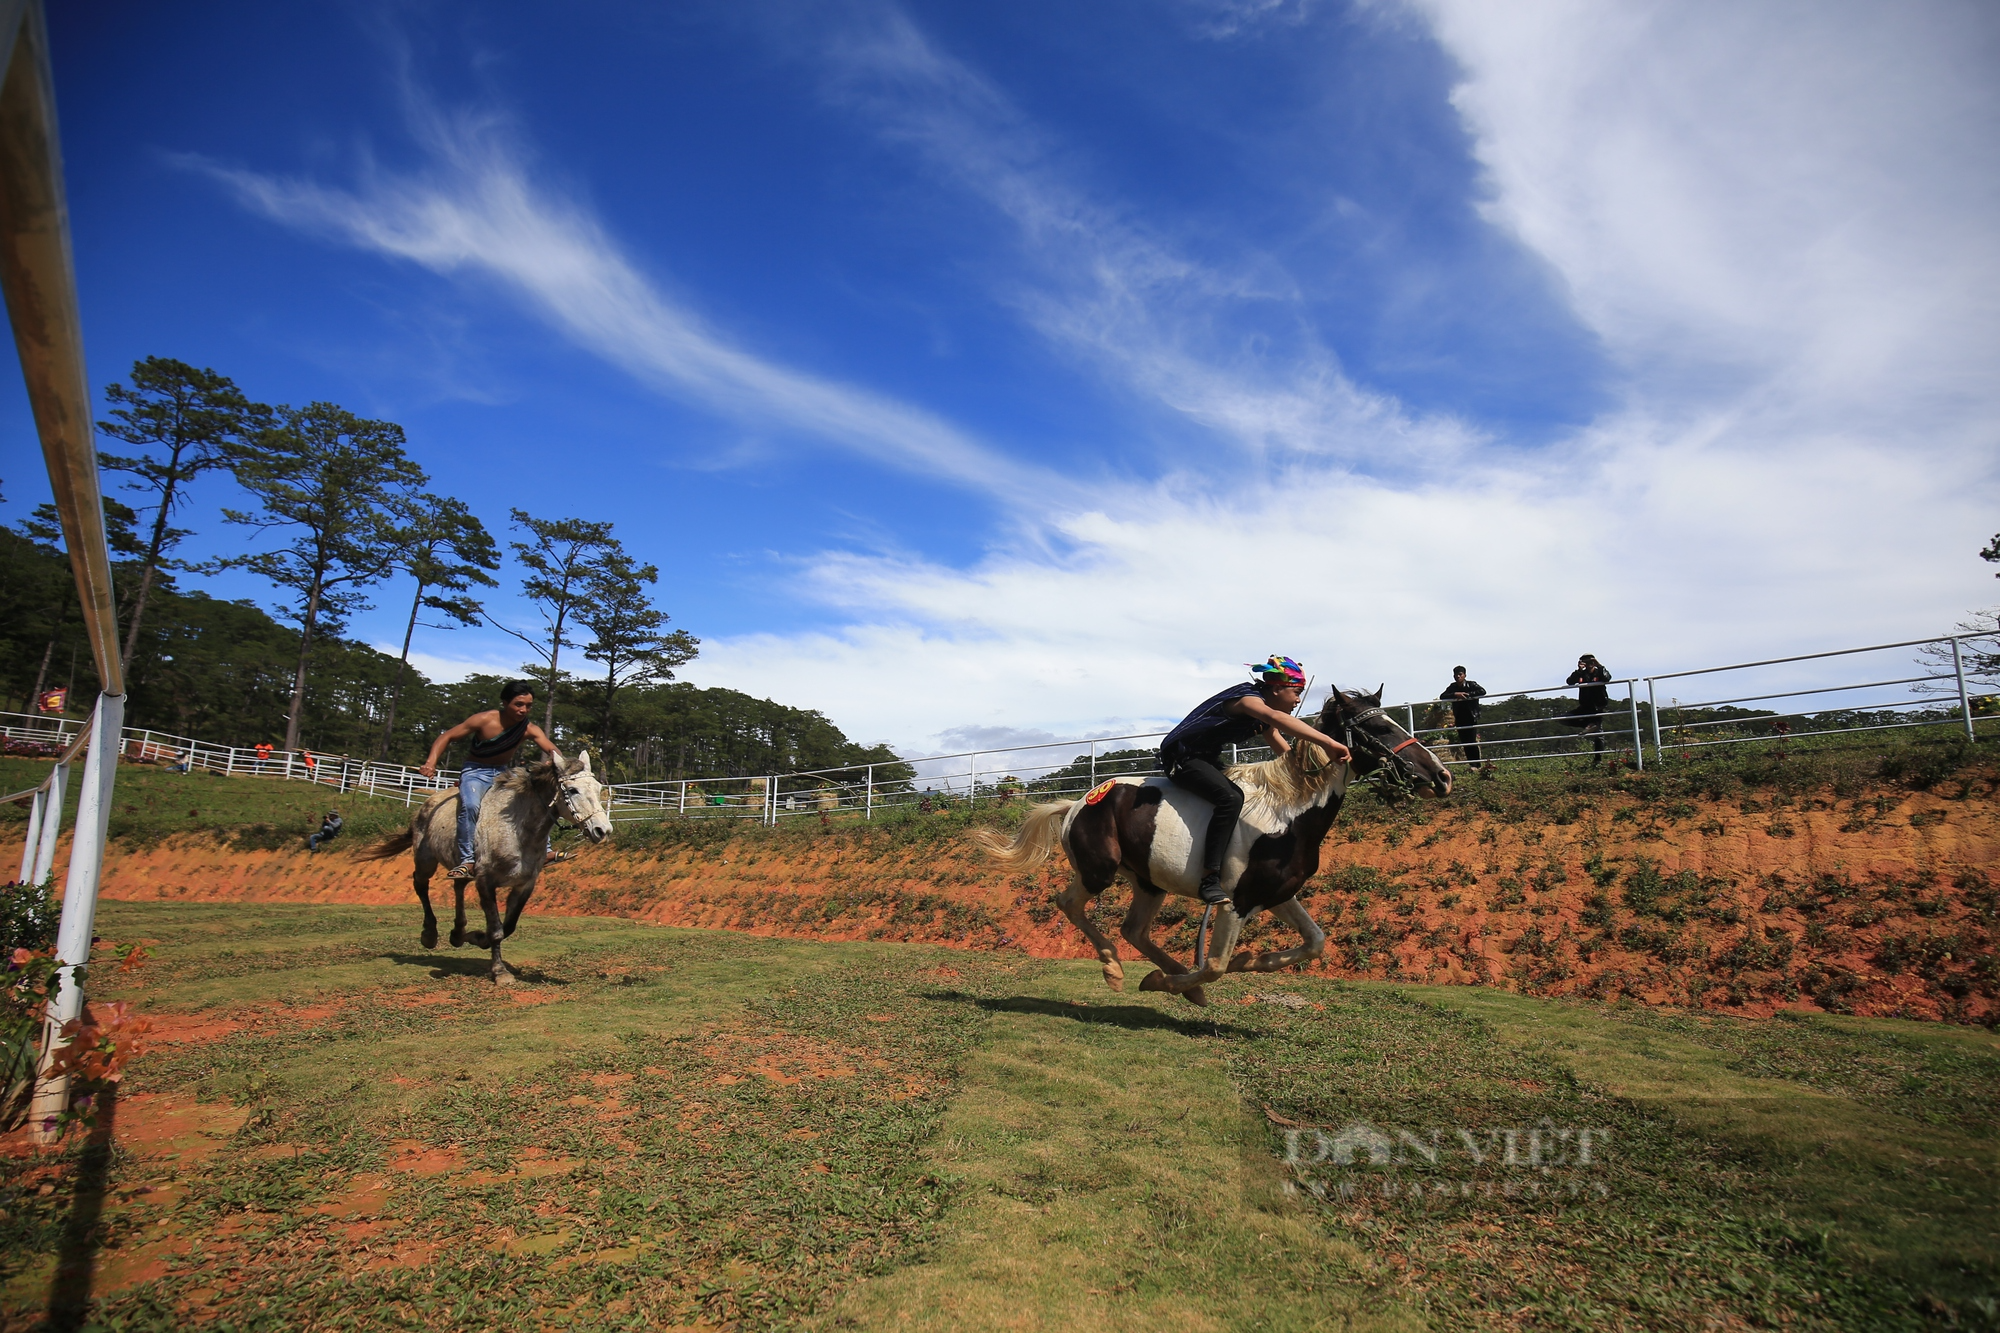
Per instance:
x=1380, y=747
x=582, y=800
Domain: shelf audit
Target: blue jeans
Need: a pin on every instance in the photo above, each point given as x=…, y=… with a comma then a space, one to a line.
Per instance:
x=473, y=782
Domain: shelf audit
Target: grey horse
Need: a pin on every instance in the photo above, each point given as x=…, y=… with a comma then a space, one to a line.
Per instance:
x=509, y=845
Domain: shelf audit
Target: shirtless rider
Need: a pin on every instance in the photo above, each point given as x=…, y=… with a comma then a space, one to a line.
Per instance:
x=1192, y=752
x=496, y=735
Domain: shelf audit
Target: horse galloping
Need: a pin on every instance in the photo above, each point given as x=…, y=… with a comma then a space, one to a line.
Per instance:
x=1150, y=832
x=510, y=844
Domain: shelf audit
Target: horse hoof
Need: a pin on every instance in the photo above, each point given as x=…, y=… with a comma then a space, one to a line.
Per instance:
x=1153, y=981
x=503, y=977
x=1114, y=976
x=477, y=939
x=1197, y=996
x=458, y=939
x=430, y=938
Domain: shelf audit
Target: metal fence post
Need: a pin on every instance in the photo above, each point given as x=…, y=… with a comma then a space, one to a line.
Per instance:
x=1093, y=765
x=971, y=779
x=1638, y=739
x=1964, y=704
x=1410, y=714
x=868, y=808
x=684, y=797
x=1653, y=706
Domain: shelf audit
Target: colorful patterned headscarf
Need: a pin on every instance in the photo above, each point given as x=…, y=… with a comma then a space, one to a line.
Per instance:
x=1282, y=667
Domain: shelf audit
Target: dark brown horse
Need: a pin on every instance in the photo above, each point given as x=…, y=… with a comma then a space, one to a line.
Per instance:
x=1150, y=832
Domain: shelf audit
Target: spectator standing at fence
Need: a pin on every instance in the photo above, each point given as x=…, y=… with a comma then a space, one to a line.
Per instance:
x=1465, y=696
x=496, y=735
x=1592, y=701
x=263, y=757
x=1191, y=755
x=329, y=827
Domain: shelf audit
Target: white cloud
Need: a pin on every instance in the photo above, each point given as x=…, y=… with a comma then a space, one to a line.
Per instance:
x=1793, y=199
x=444, y=669
x=476, y=209
x=1776, y=217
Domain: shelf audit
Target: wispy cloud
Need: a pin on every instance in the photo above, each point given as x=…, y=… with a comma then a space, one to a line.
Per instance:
x=475, y=208
x=1227, y=346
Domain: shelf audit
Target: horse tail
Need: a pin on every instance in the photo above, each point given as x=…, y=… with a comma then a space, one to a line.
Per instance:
x=1032, y=842
x=388, y=847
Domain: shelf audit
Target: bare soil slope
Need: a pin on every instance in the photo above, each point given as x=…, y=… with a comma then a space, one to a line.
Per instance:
x=1878, y=901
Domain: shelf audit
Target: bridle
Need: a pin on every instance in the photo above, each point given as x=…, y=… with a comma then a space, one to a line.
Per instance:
x=1395, y=770
x=563, y=803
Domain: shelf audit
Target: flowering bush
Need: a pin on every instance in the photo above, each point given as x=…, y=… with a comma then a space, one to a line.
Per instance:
x=95, y=1050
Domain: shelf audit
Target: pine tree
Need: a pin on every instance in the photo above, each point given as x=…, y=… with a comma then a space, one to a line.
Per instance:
x=446, y=549
x=335, y=482
x=561, y=557
x=628, y=633
x=185, y=421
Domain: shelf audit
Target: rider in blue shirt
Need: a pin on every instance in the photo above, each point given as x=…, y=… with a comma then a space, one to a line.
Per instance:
x=1192, y=752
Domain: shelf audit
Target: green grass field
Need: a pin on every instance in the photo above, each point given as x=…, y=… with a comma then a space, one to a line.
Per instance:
x=666, y=1128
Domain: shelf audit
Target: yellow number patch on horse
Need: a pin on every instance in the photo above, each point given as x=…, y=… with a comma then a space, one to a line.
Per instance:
x=1100, y=791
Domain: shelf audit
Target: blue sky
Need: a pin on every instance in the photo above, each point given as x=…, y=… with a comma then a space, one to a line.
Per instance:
x=973, y=371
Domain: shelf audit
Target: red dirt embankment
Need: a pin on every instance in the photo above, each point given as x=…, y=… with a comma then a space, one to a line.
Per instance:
x=1883, y=904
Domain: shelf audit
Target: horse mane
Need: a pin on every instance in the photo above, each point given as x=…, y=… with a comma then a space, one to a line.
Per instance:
x=539, y=777
x=1280, y=789
x=1277, y=791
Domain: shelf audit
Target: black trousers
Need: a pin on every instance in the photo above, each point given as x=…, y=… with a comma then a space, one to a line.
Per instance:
x=1468, y=741
x=1205, y=778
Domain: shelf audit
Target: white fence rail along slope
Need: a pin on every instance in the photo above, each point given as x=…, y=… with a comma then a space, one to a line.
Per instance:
x=1881, y=687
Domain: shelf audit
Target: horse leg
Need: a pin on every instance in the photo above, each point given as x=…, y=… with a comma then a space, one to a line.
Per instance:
x=1074, y=902
x=421, y=876
x=1138, y=932
x=458, y=932
x=1221, y=944
x=490, y=938
x=1312, y=945
x=517, y=901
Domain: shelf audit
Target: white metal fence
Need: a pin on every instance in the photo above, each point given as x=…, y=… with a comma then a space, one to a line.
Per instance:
x=31, y=735
x=1649, y=720
x=1848, y=690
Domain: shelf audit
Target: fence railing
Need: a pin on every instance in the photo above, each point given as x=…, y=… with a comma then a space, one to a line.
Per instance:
x=1843, y=691
x=1812, y=695
x=1775, y=701
x=28, y=734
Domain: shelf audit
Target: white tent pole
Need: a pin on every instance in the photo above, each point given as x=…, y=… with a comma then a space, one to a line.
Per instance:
x=38, y=274
x=51, y=827
x=34, y=835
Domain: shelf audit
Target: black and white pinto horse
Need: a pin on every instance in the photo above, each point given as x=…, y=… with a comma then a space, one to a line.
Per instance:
x=1150, y=832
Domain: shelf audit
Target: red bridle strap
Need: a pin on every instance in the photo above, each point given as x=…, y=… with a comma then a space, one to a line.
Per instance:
x=1408, y=741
